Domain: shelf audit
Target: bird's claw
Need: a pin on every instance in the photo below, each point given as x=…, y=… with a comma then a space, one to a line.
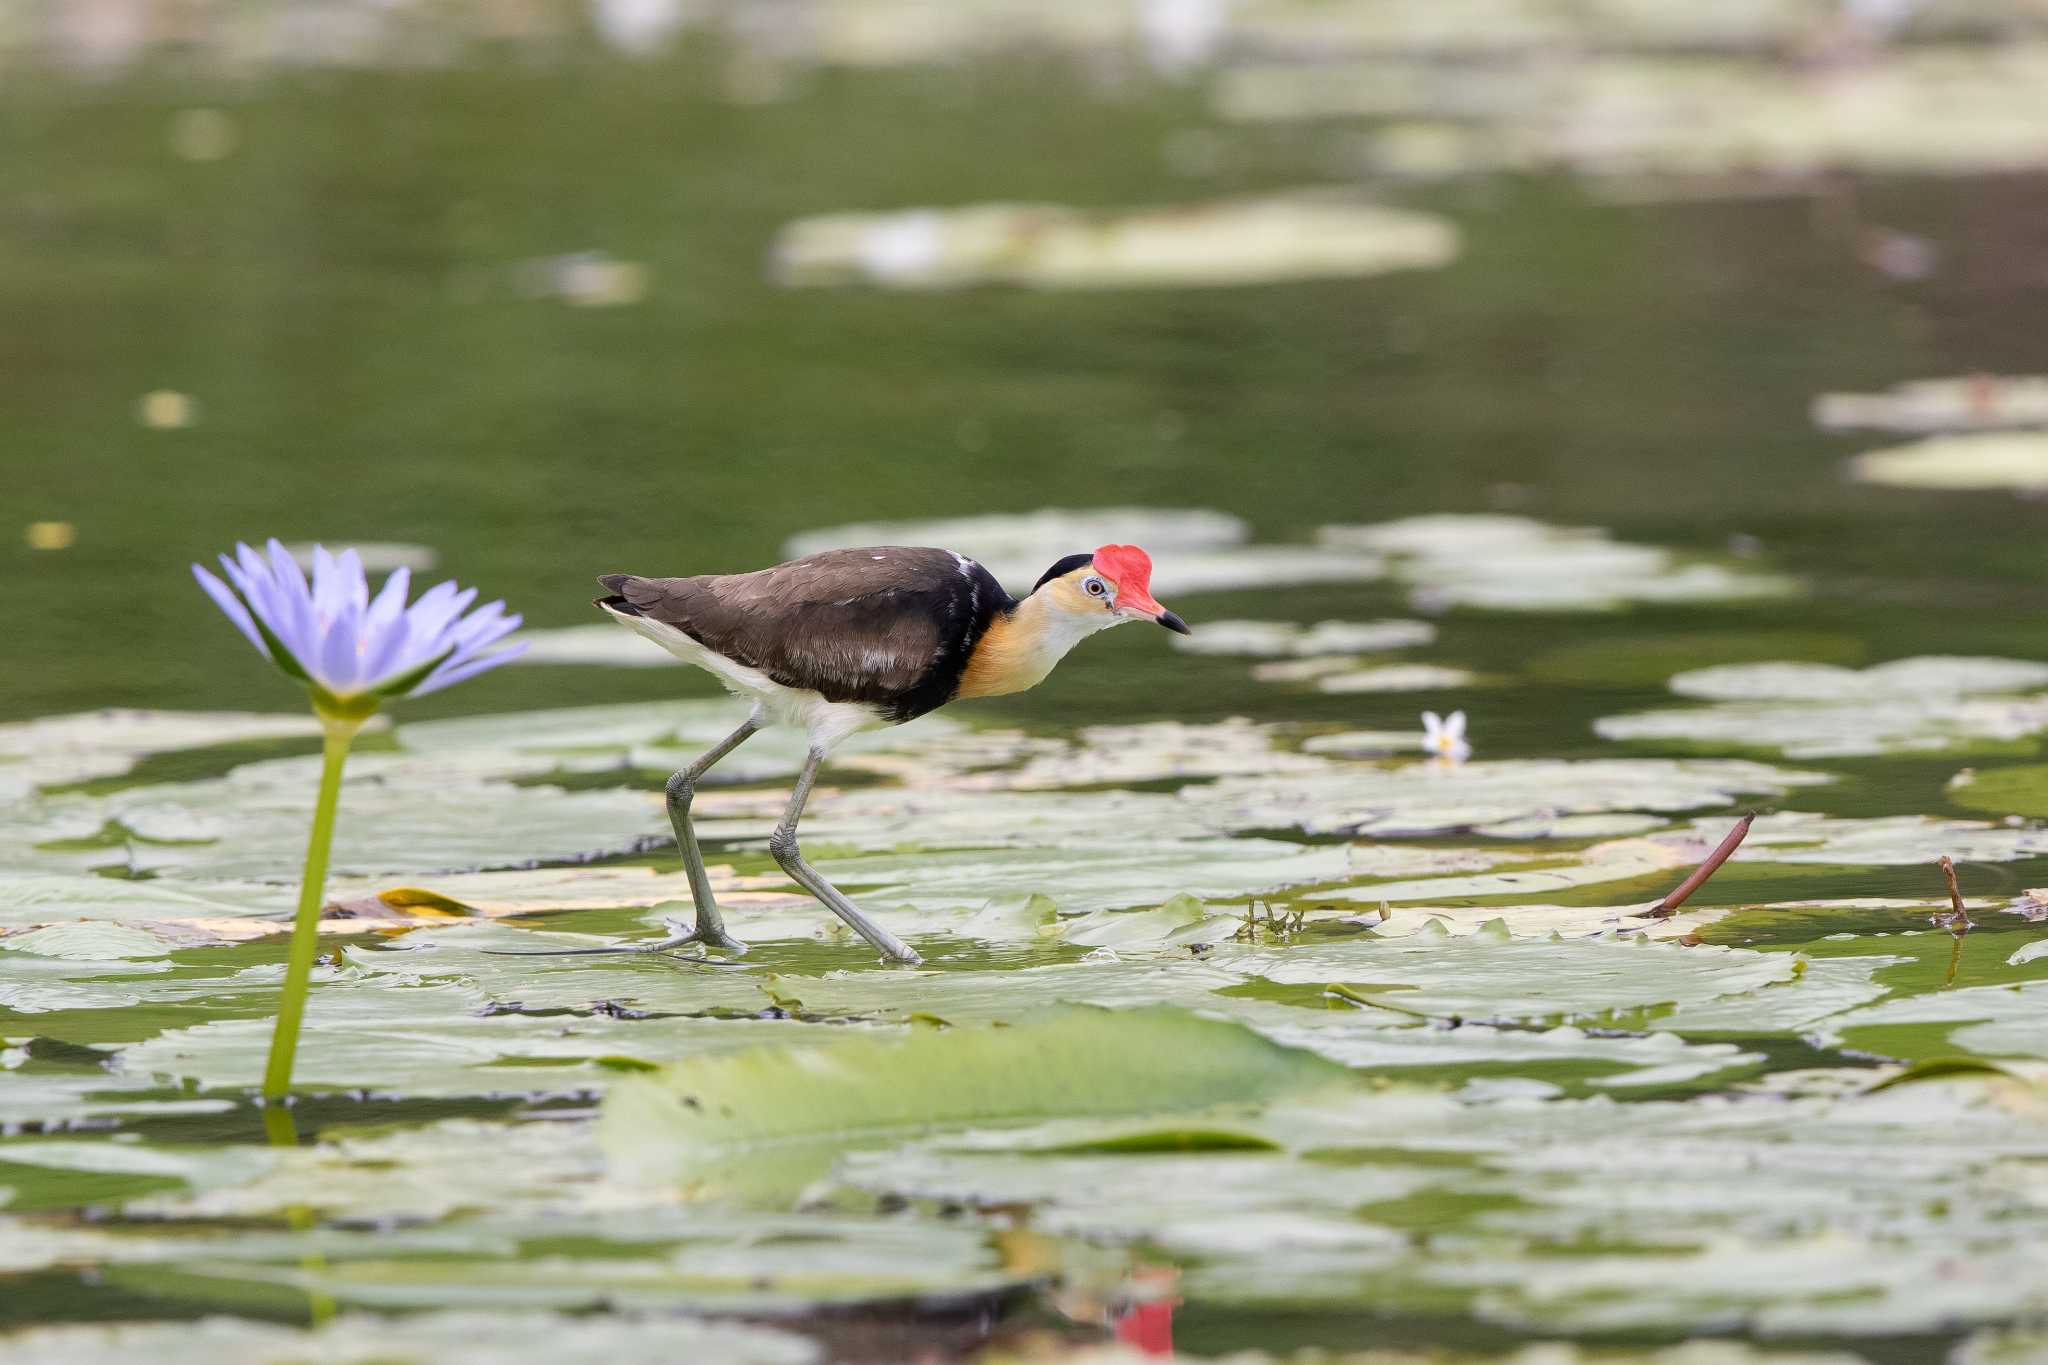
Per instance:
x=680, y=934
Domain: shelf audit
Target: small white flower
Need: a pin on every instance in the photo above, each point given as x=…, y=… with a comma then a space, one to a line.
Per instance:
x=1445, y=739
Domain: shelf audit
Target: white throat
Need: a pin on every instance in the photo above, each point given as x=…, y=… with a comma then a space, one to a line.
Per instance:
x=1022, y=649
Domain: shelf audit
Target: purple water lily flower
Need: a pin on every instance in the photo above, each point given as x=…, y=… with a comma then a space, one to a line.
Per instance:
x=351, y=650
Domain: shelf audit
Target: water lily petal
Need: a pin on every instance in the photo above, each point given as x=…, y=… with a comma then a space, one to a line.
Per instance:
x=224, y=598
x=454, y=672
x=385, y=634
x=294, y=623
x=341, y=655
x=331, y=635
x=349, y=565
x=433, y=615
x=481, y=628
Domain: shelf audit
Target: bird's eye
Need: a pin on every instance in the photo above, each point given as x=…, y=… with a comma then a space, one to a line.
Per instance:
x=1096, y=587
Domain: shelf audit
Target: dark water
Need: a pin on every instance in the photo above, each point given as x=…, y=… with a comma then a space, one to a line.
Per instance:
x=341, y=297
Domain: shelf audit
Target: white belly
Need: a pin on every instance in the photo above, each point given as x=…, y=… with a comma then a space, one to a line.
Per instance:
x=826, y=722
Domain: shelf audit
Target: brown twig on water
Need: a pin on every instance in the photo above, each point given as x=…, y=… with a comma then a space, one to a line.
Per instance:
x=1959, y=920
x=1668, y=907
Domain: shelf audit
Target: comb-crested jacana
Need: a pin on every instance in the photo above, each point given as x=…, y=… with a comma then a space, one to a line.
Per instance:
x=850, y=640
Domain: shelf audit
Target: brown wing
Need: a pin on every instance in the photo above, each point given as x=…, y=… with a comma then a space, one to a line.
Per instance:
x=853, y=625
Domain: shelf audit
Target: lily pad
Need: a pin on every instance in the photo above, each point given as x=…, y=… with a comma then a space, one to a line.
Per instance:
x=1967, y=403
x=1506, y=563
x=56, y=750
x=1192, y=550
x=772, y=1119
x=1397, y=678
x=456, y=1338
x=1286, y=639
x=1049, y=246
x=419, y=1036
x=1922, y=676
x=251, y=824
x=1809, y=730
x=1428, y=799
x=1810, y=710
x=2021, y=789
x=1804, y=837
x=603, y=645
x=1984, y=1021
x=1496, y=978
x=2017, y=460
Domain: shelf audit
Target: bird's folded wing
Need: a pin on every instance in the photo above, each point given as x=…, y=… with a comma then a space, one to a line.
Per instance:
x=852, y=625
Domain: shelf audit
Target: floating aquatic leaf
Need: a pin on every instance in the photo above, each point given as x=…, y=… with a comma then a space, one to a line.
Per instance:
x=1991, y=459
x=396, y=1034
x=771, y=1119
x=175, y=912
x=1284, y=639
x=1497, y=978
x=44, y=1168
x=2021, y=789
x=1592, y=825
x=417, y=1174
x=1397, y=678
x=602, y=644
x=1529, y=873
x=250, y=824
x=1508, y=563
x=1363, y=743
x=2007, y=1347
x=1426, y=799
x=1808, y=730
x=758, y=1265
x=1159, y=751
x=1126, y=979
x=1388, y=1042
x=1987, y=1021
x=1048, y=246
x=1086, y=878
x=1923, y=676
x=456, y=1338
x=55, y=750
x=529, y=890
x=1826, y=987
x=1809, y=710
x=1883, y=841
x=1192, y=550
x=57, y=1099
x=1968, y=403
x=1184, y=919
x=89, y=941
x=1682, y=105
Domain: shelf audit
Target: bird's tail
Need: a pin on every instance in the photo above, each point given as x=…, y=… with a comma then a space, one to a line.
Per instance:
x=615, y=600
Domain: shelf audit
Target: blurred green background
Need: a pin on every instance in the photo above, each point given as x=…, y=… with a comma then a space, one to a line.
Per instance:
x=329, y=246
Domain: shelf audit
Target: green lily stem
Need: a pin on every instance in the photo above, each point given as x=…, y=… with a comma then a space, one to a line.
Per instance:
x=298, y=972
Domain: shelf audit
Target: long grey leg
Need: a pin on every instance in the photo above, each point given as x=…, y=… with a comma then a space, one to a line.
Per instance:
x=710, y=928
x=782, y=844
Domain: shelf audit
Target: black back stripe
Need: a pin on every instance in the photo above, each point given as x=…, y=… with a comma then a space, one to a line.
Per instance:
x=967, y=605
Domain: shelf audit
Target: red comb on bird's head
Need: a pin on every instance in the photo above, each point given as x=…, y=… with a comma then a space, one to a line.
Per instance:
x=1129, y=567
